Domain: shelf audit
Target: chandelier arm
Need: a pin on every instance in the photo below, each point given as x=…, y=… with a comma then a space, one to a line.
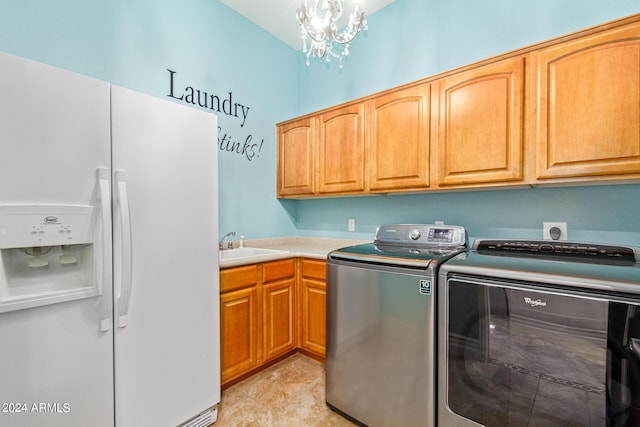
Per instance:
x=316, y=35
x=321, y=39
x=323, y=32
x=346, y=36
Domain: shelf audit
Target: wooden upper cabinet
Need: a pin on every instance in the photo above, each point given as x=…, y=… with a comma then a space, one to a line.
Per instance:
x=341, y=148
x=564, y=111
x=588, y=106
x=480, y=126
x=399, y=140
x=296, y=158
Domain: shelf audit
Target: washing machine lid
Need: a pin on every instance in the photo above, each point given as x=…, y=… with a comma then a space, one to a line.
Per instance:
x=407, y=245
x=392, y=255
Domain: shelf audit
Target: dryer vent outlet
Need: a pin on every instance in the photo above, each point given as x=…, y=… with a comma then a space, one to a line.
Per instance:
x=554, y=231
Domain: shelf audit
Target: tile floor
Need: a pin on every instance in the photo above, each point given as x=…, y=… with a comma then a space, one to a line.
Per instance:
x=290, y=393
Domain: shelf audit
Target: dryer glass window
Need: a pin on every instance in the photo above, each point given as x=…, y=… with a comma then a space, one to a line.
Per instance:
x=521, y=357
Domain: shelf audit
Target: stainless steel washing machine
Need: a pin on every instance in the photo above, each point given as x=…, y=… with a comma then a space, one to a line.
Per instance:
x=380, y=363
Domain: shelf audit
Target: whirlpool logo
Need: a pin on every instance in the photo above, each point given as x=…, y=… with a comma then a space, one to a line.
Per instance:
x=535, y=302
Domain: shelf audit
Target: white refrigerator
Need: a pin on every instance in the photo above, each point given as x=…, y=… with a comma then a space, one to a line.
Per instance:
x=109, y=292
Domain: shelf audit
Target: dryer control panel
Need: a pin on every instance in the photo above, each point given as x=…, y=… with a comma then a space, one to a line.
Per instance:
x=596, y=253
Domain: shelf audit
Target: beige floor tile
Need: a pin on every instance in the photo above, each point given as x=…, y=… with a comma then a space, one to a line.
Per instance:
x=288, y=394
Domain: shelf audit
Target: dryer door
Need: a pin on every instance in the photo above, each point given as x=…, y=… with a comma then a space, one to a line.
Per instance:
x=518, y=354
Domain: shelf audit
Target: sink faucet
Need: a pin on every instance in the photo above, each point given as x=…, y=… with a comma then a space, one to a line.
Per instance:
x=229, y=242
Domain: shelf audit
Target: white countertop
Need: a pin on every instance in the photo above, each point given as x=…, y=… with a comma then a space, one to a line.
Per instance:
x=295, y=247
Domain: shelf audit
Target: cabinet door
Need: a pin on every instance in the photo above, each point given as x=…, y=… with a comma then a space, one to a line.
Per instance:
x=296, y=158
x=313, y=307
x=278, y=307
x=341, y=145
x=588, y=106
x=278, y=315
x=480, y=130
x=399, y=141
x=238, y=332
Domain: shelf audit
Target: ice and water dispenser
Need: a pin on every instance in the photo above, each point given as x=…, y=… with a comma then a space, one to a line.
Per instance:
x=48, y=254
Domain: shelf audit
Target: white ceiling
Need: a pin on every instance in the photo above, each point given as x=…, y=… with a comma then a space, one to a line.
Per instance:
x=278, y=17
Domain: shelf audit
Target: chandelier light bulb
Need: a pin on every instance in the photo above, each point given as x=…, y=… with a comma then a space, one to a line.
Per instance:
x=319, y=29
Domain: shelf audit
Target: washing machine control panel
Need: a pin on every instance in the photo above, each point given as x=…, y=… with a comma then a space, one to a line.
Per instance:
x=444, y=235
x=421, y=235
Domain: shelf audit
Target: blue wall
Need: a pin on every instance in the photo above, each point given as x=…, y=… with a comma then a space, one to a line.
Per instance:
x=412, y=39
x=607, y=214
x=74, y=34
x=132, y=43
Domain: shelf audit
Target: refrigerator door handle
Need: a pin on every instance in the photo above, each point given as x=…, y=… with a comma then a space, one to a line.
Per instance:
x=104, y=280
x=125, y=226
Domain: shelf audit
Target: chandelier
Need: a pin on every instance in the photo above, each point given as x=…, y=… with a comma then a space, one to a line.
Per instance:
x=322, y=31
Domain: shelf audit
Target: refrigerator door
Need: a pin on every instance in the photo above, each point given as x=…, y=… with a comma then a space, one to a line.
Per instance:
x=56, y=362
x=167, y=367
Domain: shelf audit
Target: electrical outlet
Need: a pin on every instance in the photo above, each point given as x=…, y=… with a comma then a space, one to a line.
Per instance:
x=352, y=225
x=554, y=230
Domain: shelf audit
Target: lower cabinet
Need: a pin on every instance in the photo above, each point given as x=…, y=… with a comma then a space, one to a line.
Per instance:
x=313, y=307
x=278, y=308
x=257, y=311
x=239, y=332
x=267, y=310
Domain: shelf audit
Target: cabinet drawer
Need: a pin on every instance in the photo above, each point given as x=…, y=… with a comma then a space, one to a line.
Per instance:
x=278, y=270
x=238, y=278
x=314, y=268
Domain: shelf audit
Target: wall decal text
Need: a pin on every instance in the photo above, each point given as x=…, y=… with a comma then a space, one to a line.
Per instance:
x=206, y=100
x=247, y=148
x=244, y=146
